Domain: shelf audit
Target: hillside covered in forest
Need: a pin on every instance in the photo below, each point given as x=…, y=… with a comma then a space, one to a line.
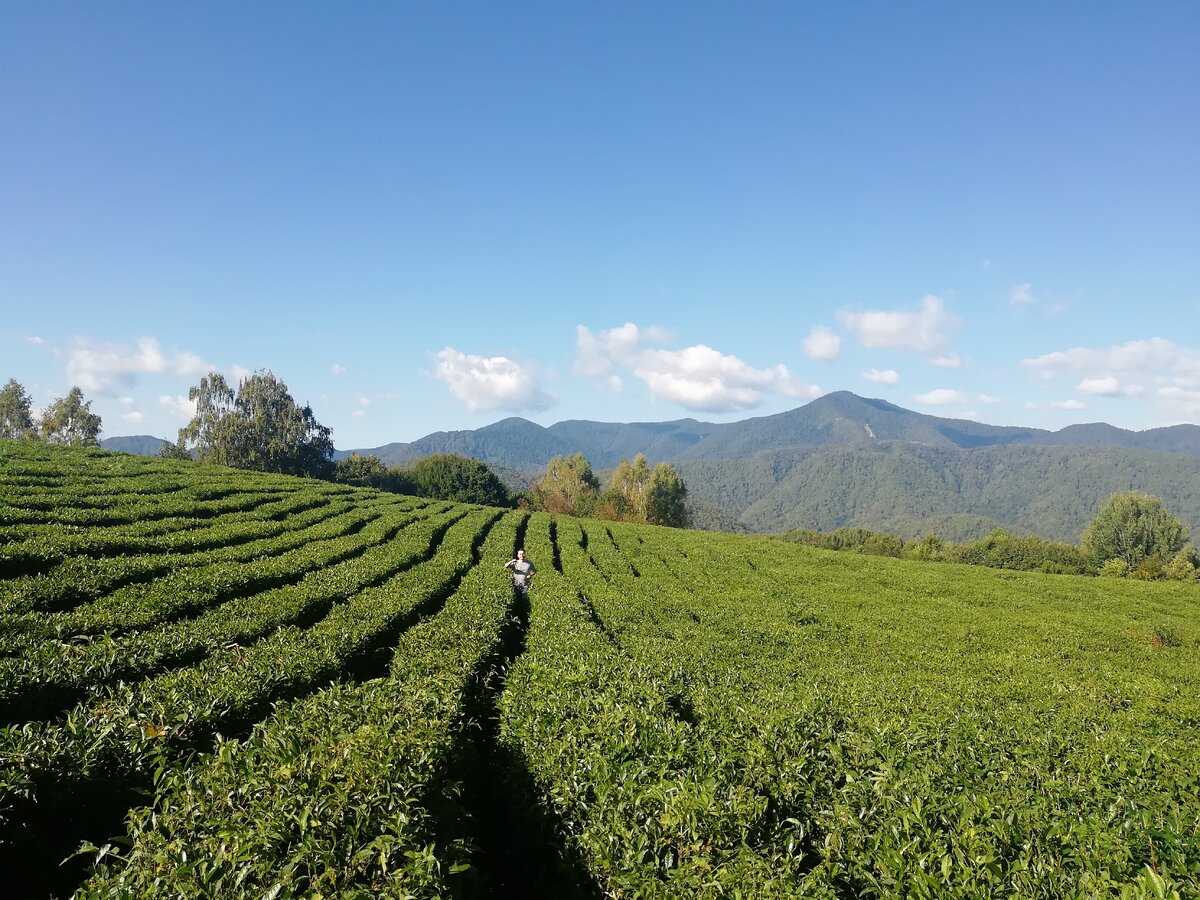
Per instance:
x=844, y=460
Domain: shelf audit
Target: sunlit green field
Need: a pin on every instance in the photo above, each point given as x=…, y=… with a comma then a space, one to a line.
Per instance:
x=225, y=683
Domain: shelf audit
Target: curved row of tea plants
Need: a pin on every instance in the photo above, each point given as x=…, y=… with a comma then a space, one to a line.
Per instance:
x=141, y=679
x=681, y=714
x=819, y=726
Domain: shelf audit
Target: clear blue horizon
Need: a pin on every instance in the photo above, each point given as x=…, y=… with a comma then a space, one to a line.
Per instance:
x=429, y=219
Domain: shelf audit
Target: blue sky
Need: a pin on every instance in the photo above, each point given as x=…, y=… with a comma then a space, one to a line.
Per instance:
x=430, y=216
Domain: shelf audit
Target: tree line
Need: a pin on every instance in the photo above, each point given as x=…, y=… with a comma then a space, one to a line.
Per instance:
x=68, y=420
x=258, y=426
x=1133, y=535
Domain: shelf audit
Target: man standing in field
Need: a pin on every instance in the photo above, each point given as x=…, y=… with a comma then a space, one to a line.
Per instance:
x=522, y=572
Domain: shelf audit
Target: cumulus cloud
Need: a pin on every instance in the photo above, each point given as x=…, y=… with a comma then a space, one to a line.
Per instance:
x=988, y=398
x=96, y=366
x=1108, y=386
x=489, y=383
x=923, y=330
x=179, y=405
x=1022, y=295
x=358, y=413
x=133, y=416
x=949, y=361
x=1136, y=359
x=886, y=376
x=34, y=339
x=941, y=397
x=337, y=369
x=822, y=343
x=600, y=355
x=1155, y=367
x=1057, y=404
x=697, y=377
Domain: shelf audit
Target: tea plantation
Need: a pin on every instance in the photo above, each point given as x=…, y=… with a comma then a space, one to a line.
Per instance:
x=216, y=683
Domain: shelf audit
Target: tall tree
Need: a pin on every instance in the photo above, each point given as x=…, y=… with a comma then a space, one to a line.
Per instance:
x=258, y=427
x=567, y=487
x=451, y=476
x=666, y=497
x=16, y=418
x=627, y=492
x=70, y=420
x=1133, y=527
x=209, y=432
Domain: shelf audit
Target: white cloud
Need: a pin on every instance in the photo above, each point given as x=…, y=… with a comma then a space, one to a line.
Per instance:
x=1134, y=358
x=1153, y=366
x=988, y=398
x=487, y=383
x=126, y=401
x=949, y=361
x=922, y=331
x=358, y=413
x=96, y=366
x=240, y=373
x=1108, y=386
x=822, y=343
x=886, y=376
x=941, y=397
x=1022, y=295
x=337, y=369
x=697, y=377
x=972, y=414
x=181, y=406
x=599, y=355
x=1057, y=404
x=34, y=339
x=133, y=416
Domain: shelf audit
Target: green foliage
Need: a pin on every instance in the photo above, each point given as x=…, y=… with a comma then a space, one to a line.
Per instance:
x=1135, y=528
x=567, y=487
x=959, y=494
x=666, y=498
x=1114, y=568
x=16, y=419
x=258, y=427
x=930, y=548
x=70, y=421
x=1001, y=550
x=679, y=714
x=629, y=487
x=639, y=494
x=449, y=476
x=369, y=471
x=1183, y=565
x=170, y=450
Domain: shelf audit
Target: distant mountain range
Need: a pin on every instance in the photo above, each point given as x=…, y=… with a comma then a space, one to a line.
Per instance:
x=137, y=444
x=847, y=460
x=840, y=418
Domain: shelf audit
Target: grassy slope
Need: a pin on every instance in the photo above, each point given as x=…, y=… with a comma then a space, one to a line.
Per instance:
x=1006, y=731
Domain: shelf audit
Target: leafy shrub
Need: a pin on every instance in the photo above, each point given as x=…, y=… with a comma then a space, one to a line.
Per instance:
x=1001, y=550
x=1114, y=568
x=929, y=548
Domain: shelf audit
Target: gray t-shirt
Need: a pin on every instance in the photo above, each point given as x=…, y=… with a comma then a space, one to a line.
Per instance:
x=521, y=569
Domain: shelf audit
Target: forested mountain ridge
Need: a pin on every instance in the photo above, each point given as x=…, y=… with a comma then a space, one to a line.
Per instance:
x=840, y=418
x=848, y=460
